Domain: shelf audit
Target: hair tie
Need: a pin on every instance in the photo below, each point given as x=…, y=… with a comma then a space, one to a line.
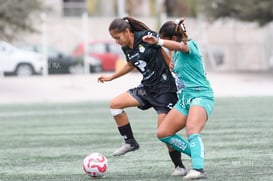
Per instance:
x=177, y=21
x=126, y=20
x=183, y=27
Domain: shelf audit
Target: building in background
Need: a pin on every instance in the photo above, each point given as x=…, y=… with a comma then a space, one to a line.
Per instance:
x=105, y=8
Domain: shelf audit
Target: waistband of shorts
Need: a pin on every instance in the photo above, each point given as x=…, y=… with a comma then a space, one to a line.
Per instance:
x=195, y=89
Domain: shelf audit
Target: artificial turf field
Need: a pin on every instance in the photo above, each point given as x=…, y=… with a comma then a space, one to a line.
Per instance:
x=49, y=142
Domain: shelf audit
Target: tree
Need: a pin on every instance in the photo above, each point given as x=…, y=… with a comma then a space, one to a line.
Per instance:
x=180, y=8
x=246, y=10
x=16, y=17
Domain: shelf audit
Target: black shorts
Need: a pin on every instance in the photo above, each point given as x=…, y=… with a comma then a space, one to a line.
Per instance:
x=162, y=103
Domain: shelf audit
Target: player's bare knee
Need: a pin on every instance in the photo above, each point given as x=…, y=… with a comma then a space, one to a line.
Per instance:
x=115, y=104
x=160, y=134
x=115, y=108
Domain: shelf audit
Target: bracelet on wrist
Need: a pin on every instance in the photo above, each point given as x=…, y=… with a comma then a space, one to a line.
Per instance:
x=160, y=42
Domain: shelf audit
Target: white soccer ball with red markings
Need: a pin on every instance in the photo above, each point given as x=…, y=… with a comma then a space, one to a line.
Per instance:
x=95, y=165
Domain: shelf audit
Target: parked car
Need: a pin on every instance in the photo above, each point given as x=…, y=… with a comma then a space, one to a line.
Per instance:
x=94, y=64
x=58, y=61
x=15, y=61
x=107, y=52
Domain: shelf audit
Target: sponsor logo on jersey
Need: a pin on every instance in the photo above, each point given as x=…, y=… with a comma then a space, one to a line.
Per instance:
x=132, y=56
x=141, y=48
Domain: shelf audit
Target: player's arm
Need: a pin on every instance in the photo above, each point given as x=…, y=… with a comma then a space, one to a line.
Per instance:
x=173, y=45
x=166, y=57
x=128, y=67
x=170, y=44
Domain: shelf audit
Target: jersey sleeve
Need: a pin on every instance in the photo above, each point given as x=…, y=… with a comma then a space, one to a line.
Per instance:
x=193, y=48
x=150, y=32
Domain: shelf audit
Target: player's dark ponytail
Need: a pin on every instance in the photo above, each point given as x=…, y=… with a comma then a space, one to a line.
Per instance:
x=121, y=24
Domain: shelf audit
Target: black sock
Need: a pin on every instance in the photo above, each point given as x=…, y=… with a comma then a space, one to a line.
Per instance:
x=126, y=132
x=176, y=159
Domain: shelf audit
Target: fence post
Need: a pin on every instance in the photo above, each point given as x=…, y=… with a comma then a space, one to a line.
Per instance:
x=85, y=41
x=44, y=43
x=1, y=67
x=121, y=8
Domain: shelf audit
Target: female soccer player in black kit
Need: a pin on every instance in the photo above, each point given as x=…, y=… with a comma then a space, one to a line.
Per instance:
x=157, y=88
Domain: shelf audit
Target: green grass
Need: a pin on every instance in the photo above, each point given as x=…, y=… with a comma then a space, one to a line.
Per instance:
x=49, y=142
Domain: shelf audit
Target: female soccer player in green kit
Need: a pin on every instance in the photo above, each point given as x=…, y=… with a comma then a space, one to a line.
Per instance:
x=195, y=95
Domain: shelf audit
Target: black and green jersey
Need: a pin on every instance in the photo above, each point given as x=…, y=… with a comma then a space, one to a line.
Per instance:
x=149, y=61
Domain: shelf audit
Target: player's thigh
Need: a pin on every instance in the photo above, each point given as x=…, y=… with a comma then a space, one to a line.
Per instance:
x=196, y=120
x=123, y=100
x=160, y=118
x=172, y=123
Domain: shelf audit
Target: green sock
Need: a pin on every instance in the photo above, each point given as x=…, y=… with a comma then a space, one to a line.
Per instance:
x=197, y=151
x=177, y=143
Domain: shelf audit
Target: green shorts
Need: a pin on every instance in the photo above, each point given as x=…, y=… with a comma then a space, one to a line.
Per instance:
x=186, y=99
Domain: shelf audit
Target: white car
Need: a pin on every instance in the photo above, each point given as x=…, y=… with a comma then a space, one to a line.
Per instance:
x=19, y=62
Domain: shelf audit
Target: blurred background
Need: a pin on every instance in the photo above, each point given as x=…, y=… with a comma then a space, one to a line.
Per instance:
x=70, y=37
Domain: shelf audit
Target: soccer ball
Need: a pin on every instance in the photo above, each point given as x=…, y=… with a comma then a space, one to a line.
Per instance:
x=95, y=165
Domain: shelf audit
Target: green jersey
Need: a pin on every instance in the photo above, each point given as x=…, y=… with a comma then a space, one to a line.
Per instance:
x=189, y=69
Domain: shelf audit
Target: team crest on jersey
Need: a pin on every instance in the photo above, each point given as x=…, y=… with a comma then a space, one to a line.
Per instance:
x=141, y=48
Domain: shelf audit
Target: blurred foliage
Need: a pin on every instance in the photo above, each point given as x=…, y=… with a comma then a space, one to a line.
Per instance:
x=91, y=6
x=181, y=8
x=16, y=17
x=19, y=16
x=260, y=11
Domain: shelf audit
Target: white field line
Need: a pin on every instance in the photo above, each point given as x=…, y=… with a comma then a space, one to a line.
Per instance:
x=49, y=112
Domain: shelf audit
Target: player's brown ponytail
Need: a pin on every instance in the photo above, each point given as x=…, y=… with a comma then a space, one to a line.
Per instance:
x=181, y=29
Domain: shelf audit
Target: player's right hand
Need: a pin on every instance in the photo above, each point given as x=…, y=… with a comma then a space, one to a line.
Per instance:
x=103, y=79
